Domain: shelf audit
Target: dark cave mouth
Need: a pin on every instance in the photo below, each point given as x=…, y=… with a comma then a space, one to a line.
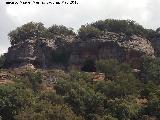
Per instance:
x=89, y=66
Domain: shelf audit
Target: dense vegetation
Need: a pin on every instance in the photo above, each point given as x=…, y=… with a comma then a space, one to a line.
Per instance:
x=59, y=30
x=128, y=27
x=122, y=95
x=34, y=30
x=75, y=96
x=29, y=30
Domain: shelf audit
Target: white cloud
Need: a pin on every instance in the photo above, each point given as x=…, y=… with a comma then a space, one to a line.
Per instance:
x=145, y=12
x=2, y=50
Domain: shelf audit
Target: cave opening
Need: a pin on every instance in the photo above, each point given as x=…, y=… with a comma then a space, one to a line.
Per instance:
x=89, y=66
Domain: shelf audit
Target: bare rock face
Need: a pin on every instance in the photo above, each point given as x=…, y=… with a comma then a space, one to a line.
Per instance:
x=126, y=49
x=39, y=52
x=35, y=52
x=139, y=44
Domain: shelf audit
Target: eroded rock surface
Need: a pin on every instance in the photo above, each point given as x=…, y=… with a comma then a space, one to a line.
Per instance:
x=39, y=52
x=35, y=52
x=128, y=49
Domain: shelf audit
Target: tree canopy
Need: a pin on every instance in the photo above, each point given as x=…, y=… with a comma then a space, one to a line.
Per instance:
x=33, y=30
x=92, y=30
x=59, y=30
x=128, y=27
x=27, y=31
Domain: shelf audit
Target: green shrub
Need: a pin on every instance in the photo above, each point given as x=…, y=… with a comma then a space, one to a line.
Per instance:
x=80, y=95
x=153, y=107
x=129, y=27
x=13, y=98
x=47, y=111
x=27, y=31
x=59, y=30
x=122, y=109
x=112, y=67
x=120, y=81
x=88, y=31
x=150, y=70
x=109, y=67
x=33, y=30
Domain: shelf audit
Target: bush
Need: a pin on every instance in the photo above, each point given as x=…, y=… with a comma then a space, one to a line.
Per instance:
x=122, y=109
x=120, y=81
x=27, y=31
x=47, y=111
x=76, y=97
x=109, y=67
x=153, y=107
x=129, y=27
x=31, y=80
x=80, y=95
x=88, y=31
x=120, y=88
x=112, y=67
x=33, y=30
x=150, y=70
x=59, y=30
x=13, y=98
x=20, y=101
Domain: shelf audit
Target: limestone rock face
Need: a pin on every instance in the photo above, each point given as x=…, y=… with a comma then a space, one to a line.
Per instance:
x=112, y=46
x=140, y=44
x=39, y=52
x=35, y=52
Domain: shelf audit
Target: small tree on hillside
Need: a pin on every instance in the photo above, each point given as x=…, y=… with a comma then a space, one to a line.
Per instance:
x=88, y=31
x=59, y=30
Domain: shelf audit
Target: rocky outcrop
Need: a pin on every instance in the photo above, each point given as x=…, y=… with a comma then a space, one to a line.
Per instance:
x=112, y=46
x=35, y=52
x=156, y=44
x=40, y=52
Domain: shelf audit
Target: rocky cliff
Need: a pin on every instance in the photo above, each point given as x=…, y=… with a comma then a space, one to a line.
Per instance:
x=73, y=52
x=128, y=49
x=36, y=52
x=31, y=52
x=156, y=44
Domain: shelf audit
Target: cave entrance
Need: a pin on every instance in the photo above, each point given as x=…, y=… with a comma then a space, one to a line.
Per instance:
x=89, y=66
x=36, y=64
